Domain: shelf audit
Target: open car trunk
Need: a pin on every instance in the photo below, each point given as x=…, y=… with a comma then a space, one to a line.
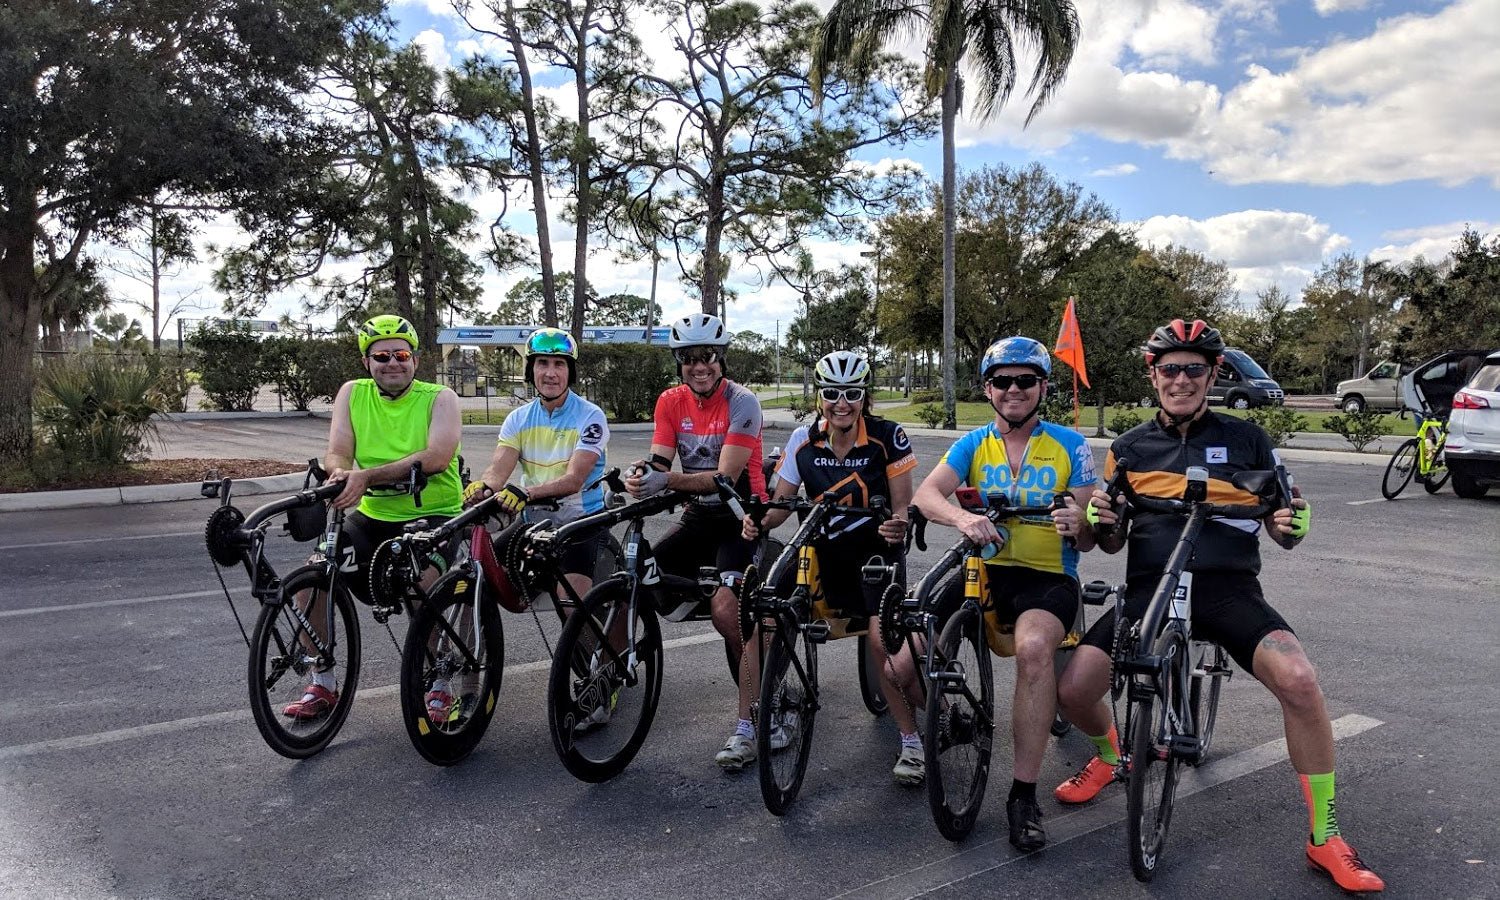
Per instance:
x=1429, y=388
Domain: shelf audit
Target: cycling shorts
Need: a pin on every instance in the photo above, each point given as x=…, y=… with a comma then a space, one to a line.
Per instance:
x=703, y=538
x=839, y=565
x=1228, y=609
x=581, y=554
x=1016, y=589
x=362, y=534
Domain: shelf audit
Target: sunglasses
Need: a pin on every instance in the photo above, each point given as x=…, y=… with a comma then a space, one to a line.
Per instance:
x=694, y=355
x=1192, y=370
x=385, y=356
x=848, y=395
x=1024, y=382
x=552, y=345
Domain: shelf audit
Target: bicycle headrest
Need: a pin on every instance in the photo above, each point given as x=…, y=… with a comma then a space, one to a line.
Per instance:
x=1257, y=482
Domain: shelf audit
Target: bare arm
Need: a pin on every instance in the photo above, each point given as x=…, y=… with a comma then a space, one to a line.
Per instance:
x=932, y=499
x=571, y=481
x=894, y=528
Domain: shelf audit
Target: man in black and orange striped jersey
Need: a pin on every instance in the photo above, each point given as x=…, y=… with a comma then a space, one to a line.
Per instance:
x=1228, y=605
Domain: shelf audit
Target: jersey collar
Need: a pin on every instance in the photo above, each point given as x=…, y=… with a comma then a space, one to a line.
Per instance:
x=861, y=435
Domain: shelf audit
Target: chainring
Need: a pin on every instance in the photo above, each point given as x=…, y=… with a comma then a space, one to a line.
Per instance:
x=390, y=577
x=745, y=601
x=221, y=534
x=892, y=635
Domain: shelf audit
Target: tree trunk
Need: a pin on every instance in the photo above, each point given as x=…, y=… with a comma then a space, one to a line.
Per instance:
x=713, y=235
x=534, y=162
x=583, y=194
x=950, y=223
x=20, y=310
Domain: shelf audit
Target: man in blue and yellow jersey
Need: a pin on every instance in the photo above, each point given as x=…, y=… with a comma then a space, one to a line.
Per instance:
x=1033, y=577
x=550, y=448
x=381, y=426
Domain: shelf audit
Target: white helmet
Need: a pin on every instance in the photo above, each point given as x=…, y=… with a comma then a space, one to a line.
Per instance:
x=698, y=330
x=842, y=368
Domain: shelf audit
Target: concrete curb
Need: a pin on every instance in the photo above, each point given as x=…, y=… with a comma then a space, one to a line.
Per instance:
x=204, y=416
x=144, y=493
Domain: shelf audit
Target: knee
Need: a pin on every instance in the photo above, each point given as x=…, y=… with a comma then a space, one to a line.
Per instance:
x=1034, y=654
x=1296, y=685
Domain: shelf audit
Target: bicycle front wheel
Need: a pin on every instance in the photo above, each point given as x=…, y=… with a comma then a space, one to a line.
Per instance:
x=788, y=707
x=1399, y=470
x=960, y=724
x=287, y=649
x=869, y=678
x=1153, y=765
x=1203, y=697
x=451, y=669
x=605, y=683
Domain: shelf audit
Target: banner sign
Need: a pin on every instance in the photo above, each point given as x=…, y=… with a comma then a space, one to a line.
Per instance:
x=514, y=335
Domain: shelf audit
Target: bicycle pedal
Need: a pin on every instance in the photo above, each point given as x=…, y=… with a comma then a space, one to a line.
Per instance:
x=874, y=574
x=1184, y=746
x=817, y=632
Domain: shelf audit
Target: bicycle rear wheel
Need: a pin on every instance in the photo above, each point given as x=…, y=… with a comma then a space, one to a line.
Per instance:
x=455, y=646
x=869, y=679
x=1399, y=470
x=284, y=656
x=960, y=724
x=1435, y=479
x=788, y=708
x=1153, y=765
x=599, y=715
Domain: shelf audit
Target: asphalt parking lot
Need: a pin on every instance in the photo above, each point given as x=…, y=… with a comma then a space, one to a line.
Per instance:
x=129, y=765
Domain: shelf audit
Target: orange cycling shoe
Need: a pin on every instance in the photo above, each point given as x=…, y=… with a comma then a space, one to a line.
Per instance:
x=1087, y=784
x=316, y=701
x=1343, y=865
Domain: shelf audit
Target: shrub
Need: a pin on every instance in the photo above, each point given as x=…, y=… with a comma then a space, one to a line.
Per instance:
x=801, y=408
x=1058, y=408
x=305, y=369
x=1125, y=420
x=96, y=411
x=1279, y=422
x=1360, y=429
x=931, y=415
x=926, y=397
x=625, y=379
x=231, y=366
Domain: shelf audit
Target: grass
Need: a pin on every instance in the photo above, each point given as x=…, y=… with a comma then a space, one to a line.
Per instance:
x=796, y=391
x=970, y=415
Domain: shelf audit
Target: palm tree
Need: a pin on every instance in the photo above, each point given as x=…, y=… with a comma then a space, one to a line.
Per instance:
x=855, y=31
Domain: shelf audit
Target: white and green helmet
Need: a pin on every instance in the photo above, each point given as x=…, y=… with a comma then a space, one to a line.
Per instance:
x=842, y=368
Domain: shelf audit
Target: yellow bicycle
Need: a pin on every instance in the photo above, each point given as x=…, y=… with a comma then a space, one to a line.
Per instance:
x=1420, y=457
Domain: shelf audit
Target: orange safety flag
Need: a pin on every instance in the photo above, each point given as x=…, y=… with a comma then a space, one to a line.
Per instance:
x=1070, y=344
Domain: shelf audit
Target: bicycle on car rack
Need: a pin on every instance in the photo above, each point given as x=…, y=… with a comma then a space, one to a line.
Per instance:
x=959, y=718
x=307, y=622
x=1171, y=680
x=791, y=628
x=453, y=661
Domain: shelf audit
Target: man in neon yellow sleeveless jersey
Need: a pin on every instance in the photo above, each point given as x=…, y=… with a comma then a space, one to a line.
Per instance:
x=381, y=425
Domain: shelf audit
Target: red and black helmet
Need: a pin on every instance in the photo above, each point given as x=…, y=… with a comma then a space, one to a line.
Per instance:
x=1196, y=336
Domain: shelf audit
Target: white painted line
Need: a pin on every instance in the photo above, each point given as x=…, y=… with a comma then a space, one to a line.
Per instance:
x=100, y=604
x=85, y=741
x=97, y=541
x=1363, y=502
x=994, y=854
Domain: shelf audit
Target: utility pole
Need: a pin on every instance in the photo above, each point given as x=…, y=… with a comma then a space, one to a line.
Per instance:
x=777, y=350
x=651, y=304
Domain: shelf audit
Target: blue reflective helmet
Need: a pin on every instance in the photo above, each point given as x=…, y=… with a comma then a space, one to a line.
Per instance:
x=1016, y=351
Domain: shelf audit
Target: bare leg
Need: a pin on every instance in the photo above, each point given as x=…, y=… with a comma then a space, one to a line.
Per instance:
x=898, y=680
x=1282, y=665
x=1038, y=633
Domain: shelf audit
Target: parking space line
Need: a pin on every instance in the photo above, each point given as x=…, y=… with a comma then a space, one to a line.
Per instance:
x=982, y=858
x=85, y=741
x=100, y=604
x=112, y=540
x=1363, y=502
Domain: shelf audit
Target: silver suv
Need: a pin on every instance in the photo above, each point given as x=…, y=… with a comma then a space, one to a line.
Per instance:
x=1473, y=449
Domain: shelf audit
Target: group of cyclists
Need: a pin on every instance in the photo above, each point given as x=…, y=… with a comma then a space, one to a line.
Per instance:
x=554, y=445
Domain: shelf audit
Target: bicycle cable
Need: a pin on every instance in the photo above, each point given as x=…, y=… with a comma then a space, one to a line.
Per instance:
x=230, y=601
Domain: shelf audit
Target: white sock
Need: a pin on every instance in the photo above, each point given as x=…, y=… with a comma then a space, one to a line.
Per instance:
x=912, y=740
x=326, y=680
x=745, y=727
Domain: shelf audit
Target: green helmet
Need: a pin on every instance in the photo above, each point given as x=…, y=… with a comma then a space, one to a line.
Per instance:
x=552, y=342
x=381, y=327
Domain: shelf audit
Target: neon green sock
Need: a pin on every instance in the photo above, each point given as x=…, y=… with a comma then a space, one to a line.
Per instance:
x=1104, y=745
x=1317, y=790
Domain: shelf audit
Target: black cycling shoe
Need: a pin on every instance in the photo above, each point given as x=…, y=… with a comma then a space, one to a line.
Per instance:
x=1026, y=832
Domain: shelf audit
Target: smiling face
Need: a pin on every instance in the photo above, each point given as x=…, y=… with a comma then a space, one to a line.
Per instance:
x=1181, y=395
x=1015, y=401
x=700, y=375
x=392, y=376
x=549, y=375
x=840, y=413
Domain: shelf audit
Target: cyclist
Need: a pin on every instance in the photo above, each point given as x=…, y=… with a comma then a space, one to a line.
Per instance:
x=714, y=425
x=1034, y=575
x=381, y=426
x=558, y=441
x=852, y=456
x=1228, y=606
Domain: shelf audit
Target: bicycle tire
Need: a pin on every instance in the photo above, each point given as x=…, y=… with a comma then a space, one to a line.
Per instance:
x=960, y=724
x=1399, y=470
x=1153, y=767
x=1434, y=482
x=468, y=655
x=1205, y=712
x=788, y=701
x=276, y=632
x=869, y=679
x=598, y=752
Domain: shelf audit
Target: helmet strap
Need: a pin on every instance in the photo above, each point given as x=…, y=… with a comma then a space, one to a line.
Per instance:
x=703, y=394
x=396, y=396
x=1015, y=424
x=1179, y=421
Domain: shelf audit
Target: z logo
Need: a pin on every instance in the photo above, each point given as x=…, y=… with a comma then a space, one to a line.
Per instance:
x=346, y=560
x=651, y=575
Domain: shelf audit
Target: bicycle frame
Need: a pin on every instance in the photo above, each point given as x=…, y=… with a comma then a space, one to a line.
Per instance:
x=1432, y=436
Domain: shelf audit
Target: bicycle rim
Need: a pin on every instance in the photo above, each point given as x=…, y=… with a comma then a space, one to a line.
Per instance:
x=960, y=723
x=1205, y=703
x=1399, y=470
x=600, y=714
x=1153, y=768
x=455, y=647
x=284, y=657
x=787, y=710
x=1436, y=478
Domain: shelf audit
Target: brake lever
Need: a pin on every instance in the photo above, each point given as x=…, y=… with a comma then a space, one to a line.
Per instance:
x=414, y=486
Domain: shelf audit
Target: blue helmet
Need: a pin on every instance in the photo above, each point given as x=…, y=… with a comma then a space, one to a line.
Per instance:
x=1016, y=351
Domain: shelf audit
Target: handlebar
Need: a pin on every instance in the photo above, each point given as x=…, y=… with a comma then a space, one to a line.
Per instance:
x=1251, y=481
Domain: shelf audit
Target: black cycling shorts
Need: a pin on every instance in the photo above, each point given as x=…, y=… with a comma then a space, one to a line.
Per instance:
x=1016, y=589
x=362, y=534
x=1228, y=609
x=839, y=565
x=701, y=539
x=581, y=555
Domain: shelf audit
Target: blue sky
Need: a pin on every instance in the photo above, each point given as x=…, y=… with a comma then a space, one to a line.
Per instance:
x=1271, y=135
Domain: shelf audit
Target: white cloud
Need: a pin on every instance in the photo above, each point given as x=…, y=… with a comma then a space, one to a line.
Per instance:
x=1174, y=31
x=886, y=166
x=1433, y=242
x=434, y=47
x=1329, y=7
x=1115, y=171
x=1261, y=247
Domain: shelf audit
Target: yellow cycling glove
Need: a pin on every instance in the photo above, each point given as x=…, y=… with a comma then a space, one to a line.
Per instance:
x=475, y=492
x=512, y=499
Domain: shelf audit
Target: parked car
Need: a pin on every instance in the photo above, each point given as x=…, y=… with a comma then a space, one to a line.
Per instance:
x=1378, y=388
x=1473, y=449
x=1241, y=383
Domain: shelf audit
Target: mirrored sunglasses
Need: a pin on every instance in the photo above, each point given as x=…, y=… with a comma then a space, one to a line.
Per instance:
x=552, y=344
x=1192, y=370
x=693, y=355
x=1024, y=382
x=385, y=356
x=848, y=395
